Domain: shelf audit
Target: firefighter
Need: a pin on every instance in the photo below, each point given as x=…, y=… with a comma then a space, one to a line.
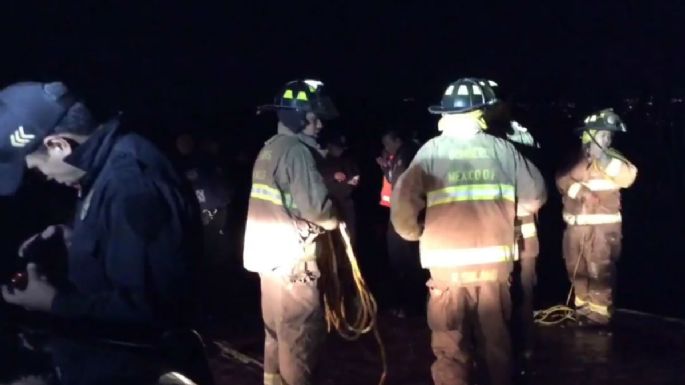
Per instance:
x=472, y=186
x=289, y=209
x=131, y=246
x=590, y=190
x=403, y=293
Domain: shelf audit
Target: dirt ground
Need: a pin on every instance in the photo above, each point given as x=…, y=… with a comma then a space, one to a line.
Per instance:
x=639, y=350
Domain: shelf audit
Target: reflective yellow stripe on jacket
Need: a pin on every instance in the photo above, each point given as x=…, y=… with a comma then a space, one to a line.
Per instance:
x=471, y=192
x=267, y=193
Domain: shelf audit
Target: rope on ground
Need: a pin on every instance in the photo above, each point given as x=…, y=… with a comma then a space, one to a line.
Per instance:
x=560, y=313
x=364, y=303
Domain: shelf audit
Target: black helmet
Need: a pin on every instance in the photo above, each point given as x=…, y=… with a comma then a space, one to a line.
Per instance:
x=603, y=120
x=466, y=95
x=304, y=96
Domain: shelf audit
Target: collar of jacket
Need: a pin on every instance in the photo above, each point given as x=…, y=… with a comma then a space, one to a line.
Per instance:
x=310, y=141
x=458, y=126
x=284, y=130
x=92, y=155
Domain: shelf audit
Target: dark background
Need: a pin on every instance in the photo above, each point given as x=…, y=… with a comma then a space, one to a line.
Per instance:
x=202, y=67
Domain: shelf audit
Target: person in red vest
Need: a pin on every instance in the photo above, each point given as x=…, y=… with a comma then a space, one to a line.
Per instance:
x=402, y=255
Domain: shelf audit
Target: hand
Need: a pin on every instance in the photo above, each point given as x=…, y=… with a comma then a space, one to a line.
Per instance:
x=354, y=181
x=340, y=176
x=38, y=295
x=50, y=231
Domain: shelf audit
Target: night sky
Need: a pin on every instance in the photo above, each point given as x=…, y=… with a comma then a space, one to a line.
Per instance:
x=169, y=62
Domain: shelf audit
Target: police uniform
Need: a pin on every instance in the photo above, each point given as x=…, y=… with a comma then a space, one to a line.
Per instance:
x=131, y=253
x=131, y=257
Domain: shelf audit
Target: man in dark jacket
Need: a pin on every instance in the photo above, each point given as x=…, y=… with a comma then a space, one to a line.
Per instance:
x=133, y=239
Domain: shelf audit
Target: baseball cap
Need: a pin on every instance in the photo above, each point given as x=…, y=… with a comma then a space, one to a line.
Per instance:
x=29, y=111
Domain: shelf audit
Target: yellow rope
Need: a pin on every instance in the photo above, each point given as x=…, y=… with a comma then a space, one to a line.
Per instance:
x=364, y=303
x=561, y=313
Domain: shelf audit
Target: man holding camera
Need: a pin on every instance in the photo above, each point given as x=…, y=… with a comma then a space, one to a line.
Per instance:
x=130, y=247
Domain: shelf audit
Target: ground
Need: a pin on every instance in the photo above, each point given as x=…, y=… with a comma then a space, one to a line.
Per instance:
x=640, y=350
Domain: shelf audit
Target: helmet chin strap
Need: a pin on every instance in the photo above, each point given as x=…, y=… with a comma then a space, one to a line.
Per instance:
x=594, y=140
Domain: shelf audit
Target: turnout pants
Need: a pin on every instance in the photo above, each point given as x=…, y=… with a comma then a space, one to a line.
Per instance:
x=590, y=253
x=293, y=325
x=469, y=324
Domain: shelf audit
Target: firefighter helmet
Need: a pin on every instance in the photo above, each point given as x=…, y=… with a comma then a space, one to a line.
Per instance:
x=465, y=95
x=304, y=96
x=604, y=120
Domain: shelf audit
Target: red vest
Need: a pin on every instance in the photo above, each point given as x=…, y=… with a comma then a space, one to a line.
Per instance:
x=386, y=190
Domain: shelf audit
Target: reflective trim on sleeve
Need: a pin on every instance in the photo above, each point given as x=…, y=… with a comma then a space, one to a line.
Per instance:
x=614, y=167
x=527, y=230
x=591, y=219
x=574, y=190
x=601, y=185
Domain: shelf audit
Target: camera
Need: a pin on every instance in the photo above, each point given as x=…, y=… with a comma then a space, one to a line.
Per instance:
x=50, y=256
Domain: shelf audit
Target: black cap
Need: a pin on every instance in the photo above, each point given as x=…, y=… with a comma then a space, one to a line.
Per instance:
x=29, y=111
